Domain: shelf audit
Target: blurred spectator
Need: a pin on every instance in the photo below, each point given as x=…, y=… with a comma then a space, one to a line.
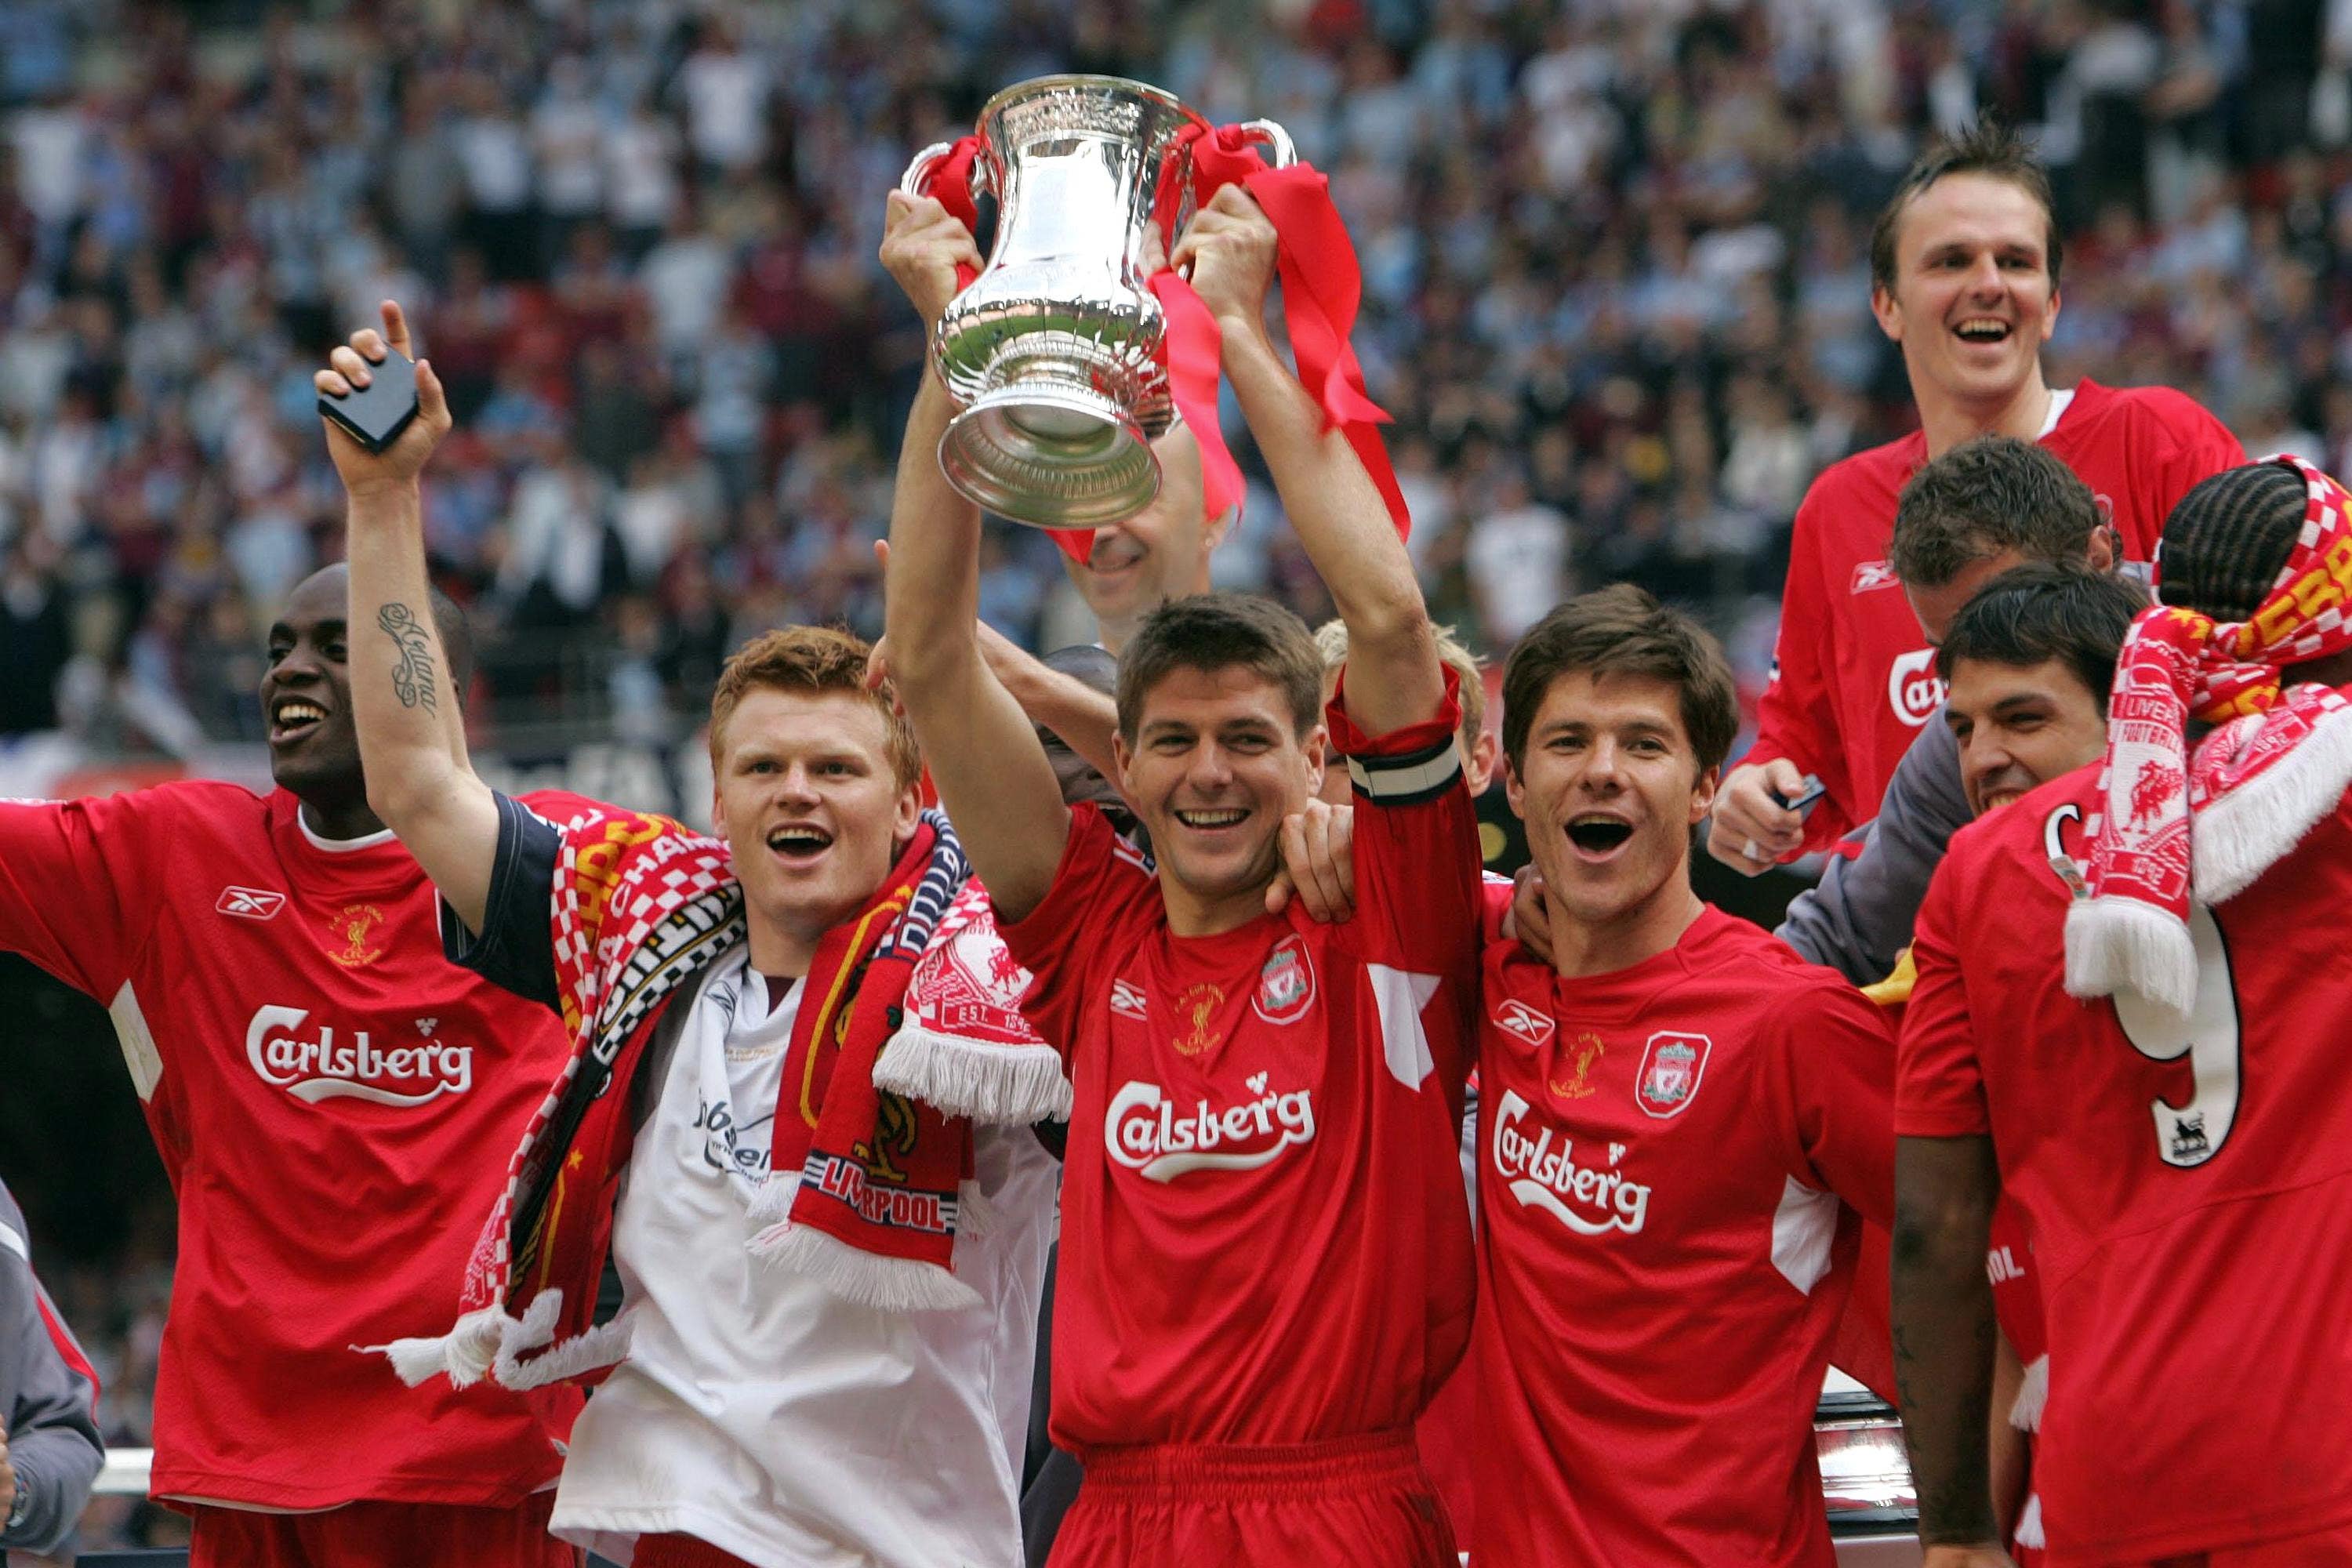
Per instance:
x=1519, y=562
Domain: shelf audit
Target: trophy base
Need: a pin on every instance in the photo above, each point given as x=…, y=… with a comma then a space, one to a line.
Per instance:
x=1051, y=456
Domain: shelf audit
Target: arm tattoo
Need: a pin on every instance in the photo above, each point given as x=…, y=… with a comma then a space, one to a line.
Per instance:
x=412, y=678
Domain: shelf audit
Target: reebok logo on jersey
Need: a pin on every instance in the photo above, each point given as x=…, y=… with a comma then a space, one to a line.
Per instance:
x=1541, y=1172
x=1913, y=690
x=1145, y=1132
x=249, y=903
x=319, y=1068
x=1874, y=574
x=1530, y=1024
x=1127, y=1000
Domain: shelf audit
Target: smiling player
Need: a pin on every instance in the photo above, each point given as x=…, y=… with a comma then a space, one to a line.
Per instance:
x=856, y=1404
x=1678, y=1117
x=1265, y=1266
x=1963, y=278
x=316, y=1078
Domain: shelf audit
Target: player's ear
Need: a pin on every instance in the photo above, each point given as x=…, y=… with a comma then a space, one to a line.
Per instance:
x=1515, y=789
x=1889, y=313
x=1478, y=767
x=1317, y=747
x=1702, y=795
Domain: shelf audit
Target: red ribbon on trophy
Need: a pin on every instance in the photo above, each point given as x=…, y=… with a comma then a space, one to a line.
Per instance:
x=1322, y=287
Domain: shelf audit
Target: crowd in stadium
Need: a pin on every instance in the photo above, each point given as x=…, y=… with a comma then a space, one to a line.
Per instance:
x=1616, y=294
x=1616, y=298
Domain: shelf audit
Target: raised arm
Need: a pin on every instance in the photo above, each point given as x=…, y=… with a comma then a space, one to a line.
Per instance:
x=1393, y=675
x=412, y=736
x=992, y=772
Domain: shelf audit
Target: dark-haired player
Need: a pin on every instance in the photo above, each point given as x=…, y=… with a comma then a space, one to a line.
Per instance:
x=320, y=1083
x=1991, y=503
x=2029, y=660
x=1265, y=1257
x=2171, y=1150
x=1680, y=1120
x=1964, y=276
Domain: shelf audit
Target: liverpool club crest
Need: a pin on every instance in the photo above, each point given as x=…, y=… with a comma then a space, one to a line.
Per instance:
x=1672, y=1066
x=1286, y=986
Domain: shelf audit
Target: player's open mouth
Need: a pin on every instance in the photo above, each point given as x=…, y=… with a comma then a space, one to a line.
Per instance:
x=1113, y=552
x=292, y=718
x=799, y=843
x=1982, y=330
x=1214, y=821
x=1598, y=836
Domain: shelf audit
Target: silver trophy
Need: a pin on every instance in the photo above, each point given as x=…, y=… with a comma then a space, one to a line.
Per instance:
x=1055, y=351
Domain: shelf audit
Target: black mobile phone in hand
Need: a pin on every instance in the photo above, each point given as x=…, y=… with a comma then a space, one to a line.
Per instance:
x=1809, y=794
x=377, y=413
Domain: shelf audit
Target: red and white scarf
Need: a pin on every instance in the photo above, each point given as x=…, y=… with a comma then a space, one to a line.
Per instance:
x=871, y=1181
x=2172, y=826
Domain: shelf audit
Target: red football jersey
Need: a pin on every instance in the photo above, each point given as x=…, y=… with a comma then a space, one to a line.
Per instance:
x=2188, y=1188
x=1265, y=1238
x=1663, y=1251
x=1853, y=678
x=321, y=1084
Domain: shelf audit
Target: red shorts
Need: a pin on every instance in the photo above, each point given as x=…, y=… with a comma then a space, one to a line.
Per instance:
x=381, y=1535
x=2329, y=1549
x=1362, y=1501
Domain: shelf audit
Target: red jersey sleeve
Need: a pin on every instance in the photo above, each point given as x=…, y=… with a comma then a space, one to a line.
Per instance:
x=1830, y=1080
x=2200, y=447
x=1103, y=890
x=1940, y=1088
x=1796, y=717
x=77, y=878
x=1420, y=891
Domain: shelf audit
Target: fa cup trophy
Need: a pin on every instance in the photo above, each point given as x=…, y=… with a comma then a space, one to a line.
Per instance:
x=1055, y=353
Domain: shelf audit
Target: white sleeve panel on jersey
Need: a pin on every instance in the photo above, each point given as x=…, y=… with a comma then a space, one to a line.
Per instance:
x=1805, y=1227
x=139, y=1052
x=1402, y=994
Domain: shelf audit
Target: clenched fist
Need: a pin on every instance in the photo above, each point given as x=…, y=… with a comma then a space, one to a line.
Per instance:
x=921, y=245
x=1231, y=247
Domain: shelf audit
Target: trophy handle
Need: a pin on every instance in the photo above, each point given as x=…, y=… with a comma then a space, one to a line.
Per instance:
x=1280, y=151
x=917, y=180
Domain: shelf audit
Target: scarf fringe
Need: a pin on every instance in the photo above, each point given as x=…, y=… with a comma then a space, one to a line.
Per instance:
x=2033, y=1394
x=464, y=1353
x=601, y=1346
x=2124, y=944
x=870, y=1280
x=998, y=1086
x=2246, y=831
x=975, y=1212
x=771, y=1202
x=2029, y=1524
